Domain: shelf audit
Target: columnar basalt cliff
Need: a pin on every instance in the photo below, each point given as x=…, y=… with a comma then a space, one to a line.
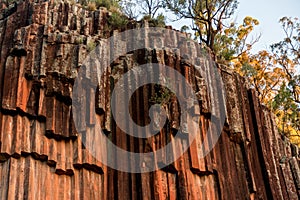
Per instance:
x=43, y=45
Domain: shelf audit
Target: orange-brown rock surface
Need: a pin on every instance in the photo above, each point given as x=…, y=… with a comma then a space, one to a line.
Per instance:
x=42, y=46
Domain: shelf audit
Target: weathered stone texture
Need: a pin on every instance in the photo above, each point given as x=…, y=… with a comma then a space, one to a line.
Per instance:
x=42, y=47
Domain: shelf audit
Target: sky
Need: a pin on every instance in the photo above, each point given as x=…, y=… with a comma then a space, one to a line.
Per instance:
x=268, y=13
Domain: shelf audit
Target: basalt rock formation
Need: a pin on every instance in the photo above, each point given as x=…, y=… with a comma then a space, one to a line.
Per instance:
x=43, y=44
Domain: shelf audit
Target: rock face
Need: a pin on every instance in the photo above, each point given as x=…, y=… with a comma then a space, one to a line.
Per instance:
x=43, y=45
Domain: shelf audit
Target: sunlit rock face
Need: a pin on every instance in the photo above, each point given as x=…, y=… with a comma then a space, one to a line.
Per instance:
x=45, y=155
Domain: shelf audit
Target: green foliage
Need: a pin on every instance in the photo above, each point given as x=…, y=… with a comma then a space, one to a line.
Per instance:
x=79, y=40
x=287, y=112
x=283, y=100
x=159, y=21
x=106, y=3
x=91, y=46
x=287, y=56
x=95, y=4
x=117, y=20
x=162, y=95
x=184, y=28
x=232, y=41
x=287, y=53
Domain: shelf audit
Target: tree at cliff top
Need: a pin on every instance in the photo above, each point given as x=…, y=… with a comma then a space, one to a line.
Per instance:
x=275, y=76
x=213, y=26
x=235, y=41
x=272, y=74
x=287, y=100
x=208, y=16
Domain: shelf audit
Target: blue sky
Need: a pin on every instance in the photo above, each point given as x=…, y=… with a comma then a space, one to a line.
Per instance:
x=268, y=12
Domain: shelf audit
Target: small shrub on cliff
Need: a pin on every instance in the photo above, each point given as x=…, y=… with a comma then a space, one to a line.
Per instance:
x=184, y=28
x=159, y=21
x=91, y=46
x=104, y=3
x=163, y=94
x=92, y=6
x=117, y=20
x=79, y=40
